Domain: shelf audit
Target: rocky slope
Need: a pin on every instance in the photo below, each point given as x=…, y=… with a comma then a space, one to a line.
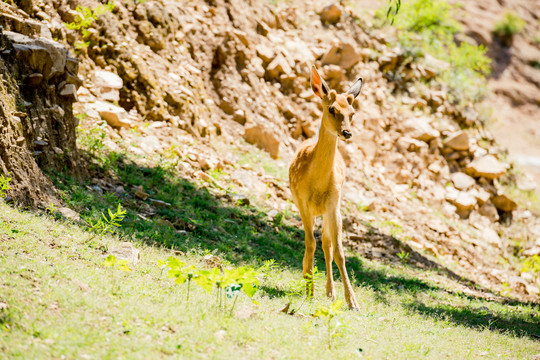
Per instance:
x=210, y=80
x=515, y=78
x=38, y=88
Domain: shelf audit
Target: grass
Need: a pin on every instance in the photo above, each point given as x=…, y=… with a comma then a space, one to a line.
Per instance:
x=60, y=296
x=60, y=300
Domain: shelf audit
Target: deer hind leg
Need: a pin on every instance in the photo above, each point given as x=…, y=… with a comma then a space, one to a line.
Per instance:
x=328, y=257
x=308, y=221
x=339, y=256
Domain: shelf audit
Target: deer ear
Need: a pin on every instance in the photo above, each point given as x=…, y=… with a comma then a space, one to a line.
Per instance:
x=356, y=87
x=318, y=85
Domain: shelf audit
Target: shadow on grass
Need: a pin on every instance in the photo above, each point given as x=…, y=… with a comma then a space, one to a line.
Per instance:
x=190, y=216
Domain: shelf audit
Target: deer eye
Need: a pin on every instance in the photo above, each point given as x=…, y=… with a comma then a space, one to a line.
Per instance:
x=332, y=110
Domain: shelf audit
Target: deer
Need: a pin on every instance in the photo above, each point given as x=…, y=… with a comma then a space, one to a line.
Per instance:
x=316, y=177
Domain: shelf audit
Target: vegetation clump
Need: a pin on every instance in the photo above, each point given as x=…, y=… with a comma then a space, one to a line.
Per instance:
x=508, y=26
x=428, y=27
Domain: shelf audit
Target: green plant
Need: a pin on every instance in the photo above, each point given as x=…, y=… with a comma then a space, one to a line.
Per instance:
x=403, y=256
x=106, y=225
x=120, y=264
x=227, y=282
x=509, y=25
x=428, y=27
x=51, y=208
x=92, y=139
x=4, y=185
x=84, y=19
x=329, y=313
x=531, y=264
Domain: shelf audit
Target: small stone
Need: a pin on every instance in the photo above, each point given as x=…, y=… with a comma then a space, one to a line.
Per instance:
x=277, y=67
x=126, y=251
x=140, y=193
x=159, y=203
x=462, y=181
x=464, y=203
x=458, y=141
x=69, y=91
x=487, y=166
x=69, y=214
x=504, y=203
x=35, y=79
x=241, y=200
x=490, y=211
x=331, y=14
x=420, y=129
x=263, y=137
x=114, y=115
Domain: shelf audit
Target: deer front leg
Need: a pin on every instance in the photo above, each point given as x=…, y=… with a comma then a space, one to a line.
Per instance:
x=339, y=256
x=328, y=258
x=311, y=244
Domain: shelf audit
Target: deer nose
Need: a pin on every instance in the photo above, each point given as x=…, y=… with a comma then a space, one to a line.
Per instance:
x=347, y=134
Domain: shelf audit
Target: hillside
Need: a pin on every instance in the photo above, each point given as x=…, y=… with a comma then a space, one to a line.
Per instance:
x=187, y=114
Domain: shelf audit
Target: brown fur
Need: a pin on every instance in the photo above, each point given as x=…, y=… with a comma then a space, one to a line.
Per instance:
x=316, y=176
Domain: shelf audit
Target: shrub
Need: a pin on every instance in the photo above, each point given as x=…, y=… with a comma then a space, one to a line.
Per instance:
x=509, y=25
x=428, y=27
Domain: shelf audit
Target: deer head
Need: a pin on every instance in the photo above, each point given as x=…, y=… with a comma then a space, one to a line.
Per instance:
x=338, y=108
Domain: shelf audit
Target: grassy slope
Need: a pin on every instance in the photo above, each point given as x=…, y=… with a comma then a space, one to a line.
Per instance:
x=62, y=300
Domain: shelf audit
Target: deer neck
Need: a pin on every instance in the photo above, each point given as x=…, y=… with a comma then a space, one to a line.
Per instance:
x=325, y=150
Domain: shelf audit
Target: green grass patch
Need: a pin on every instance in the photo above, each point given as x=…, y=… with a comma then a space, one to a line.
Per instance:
x=61, y=297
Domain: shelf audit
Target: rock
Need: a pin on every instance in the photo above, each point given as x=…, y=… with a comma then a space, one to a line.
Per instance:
x=331, y=14
x=462, y=181
x=458, y=141
x=106, y=80
x=69, y=214
x=34, y=79
x=159, y=203
x=408, y=144
x=107, y=84
x=491, y=236
x=114, y=115
x=420, y=129
x=526, y=183
x=504, y=203
x=532, y=251
x=265, y=53
x=487, y=166
x=69, y=91
x=149, y=144
x=239, y=116
x=242, y=36
x=464, y=204
x=140, y=193
x=126, y=251
x=208, y=164
x=490, y=211
x=44, y=55
x=277, y=67
x=343, y=54
x=263, y=137
x=240, y=200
